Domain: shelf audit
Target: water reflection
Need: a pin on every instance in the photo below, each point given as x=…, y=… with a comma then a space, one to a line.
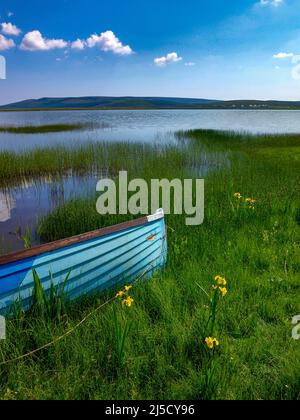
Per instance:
x=7, y=204
x=22, y=206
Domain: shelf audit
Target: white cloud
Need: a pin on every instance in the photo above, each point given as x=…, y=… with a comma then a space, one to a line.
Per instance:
x=34, y=41
x=10, y=14
x=168, y=59
x=79, y=44
x=107, y=41
x=283, y=55
x=275, y=3
x=190, y=64
x=5, y=43
x=10, y=29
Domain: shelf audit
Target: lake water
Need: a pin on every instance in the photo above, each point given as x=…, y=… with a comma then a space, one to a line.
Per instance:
x=21, y=206
x=144, y=126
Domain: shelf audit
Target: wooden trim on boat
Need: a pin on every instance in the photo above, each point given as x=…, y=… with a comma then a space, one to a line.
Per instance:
x=63, y=243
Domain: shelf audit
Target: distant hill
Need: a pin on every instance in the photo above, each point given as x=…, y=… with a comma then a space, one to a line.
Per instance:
x=128, y=102
x=92, y=102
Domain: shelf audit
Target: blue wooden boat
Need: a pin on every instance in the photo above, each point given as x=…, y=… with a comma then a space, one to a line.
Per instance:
x=96, y=261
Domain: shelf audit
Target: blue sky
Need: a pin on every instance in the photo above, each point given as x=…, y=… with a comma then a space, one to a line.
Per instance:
x=224, y=49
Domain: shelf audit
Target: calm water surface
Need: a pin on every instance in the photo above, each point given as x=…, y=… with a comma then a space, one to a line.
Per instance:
x=21, y=206
x=146, y=126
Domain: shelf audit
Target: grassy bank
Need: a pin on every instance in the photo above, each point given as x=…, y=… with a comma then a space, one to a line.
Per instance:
x=256, y=249
x=41, y=129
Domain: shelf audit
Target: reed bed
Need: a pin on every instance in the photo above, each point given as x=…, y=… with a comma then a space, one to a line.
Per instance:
x=94, y=157
x=40, y=129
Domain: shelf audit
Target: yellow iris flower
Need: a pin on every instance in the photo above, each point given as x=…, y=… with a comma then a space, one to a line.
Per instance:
x=221, y=281
x=223, y=291
x=120, y=294
x=211, y=342
x=128, y=302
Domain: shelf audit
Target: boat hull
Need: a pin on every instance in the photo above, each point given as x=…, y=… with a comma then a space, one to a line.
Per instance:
x=95, y=262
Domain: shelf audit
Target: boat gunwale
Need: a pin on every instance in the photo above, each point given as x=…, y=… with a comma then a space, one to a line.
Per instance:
x=64, y=243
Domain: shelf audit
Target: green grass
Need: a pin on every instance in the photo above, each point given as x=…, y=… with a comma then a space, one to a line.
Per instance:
x=96, y=157
x=256, y=250
x=40, y=129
